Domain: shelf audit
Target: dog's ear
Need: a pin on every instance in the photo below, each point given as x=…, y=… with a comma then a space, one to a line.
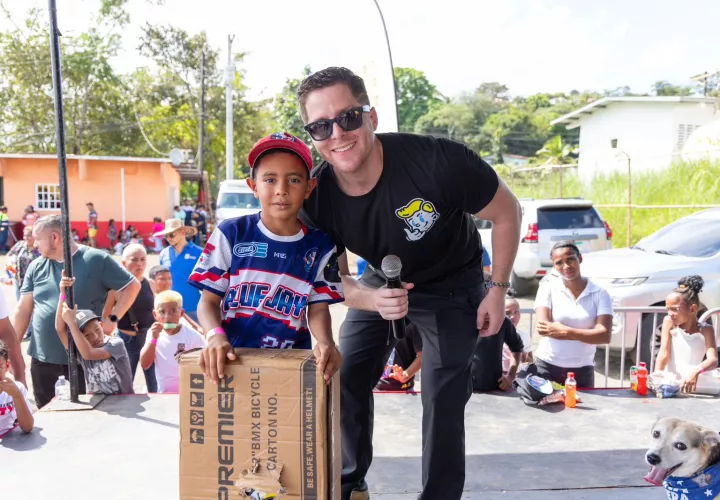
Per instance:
x=710, y=439
x=711, y=442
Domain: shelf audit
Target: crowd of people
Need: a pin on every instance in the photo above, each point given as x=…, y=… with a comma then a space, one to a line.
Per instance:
x=375, y=194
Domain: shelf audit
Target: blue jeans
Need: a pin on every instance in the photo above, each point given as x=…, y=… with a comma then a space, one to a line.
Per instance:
x=134, y=345
x=3, y=240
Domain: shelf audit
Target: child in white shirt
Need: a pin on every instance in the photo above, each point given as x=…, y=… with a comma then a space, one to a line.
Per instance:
x=15, y=409
x=168, y=337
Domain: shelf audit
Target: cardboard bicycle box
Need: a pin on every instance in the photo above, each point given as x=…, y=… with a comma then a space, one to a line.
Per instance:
x=269, y=430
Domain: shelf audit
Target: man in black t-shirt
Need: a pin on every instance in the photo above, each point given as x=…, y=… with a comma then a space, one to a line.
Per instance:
x=410, y=196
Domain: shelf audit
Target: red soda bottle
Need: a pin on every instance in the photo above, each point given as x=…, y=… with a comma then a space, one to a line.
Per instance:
x=642, y=378
x=570, y=390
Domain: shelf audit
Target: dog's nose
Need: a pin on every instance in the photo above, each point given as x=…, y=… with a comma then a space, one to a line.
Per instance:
x=653, y=458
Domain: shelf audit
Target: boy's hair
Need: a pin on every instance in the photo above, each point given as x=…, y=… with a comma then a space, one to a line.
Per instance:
x=327, y=78
x=155, y=270
x=4, y=354
x=689, y=288
x=168, y=297
x=270, y=152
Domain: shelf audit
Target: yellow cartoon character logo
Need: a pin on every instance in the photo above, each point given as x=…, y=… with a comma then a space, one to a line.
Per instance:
x=419, y=215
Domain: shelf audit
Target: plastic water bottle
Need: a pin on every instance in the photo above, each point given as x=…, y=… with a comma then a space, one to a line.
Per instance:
x=62, y=389
x=570, y=390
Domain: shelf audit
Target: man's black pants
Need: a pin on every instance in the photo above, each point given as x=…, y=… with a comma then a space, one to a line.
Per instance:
x=448, y=325
x=45, y=375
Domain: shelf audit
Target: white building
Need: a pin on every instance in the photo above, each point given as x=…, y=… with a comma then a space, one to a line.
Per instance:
x=650, y=130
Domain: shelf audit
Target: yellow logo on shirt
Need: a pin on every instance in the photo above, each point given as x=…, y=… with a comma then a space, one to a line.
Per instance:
x=419, y=215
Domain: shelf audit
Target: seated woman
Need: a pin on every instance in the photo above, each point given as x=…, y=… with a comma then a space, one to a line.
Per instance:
x=688, y=347
x=574, y=315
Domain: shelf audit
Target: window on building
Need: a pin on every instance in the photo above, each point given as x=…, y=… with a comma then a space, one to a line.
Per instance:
x=684, y=131
x=47, y=197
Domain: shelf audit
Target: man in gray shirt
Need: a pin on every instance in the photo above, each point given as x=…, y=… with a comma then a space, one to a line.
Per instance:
x=95, y=274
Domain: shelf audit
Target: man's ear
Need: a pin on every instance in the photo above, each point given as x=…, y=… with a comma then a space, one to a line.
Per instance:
x=374, y=119
x=312, y=184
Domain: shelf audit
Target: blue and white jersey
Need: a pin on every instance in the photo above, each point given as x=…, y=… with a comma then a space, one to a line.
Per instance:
x=267, y=281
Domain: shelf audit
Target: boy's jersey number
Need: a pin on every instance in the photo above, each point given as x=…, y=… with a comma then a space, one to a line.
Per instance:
x=272, y=342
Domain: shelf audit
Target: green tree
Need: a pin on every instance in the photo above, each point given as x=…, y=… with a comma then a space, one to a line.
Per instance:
x=556, y=152
x=93, y=100
x=416, y=96
x=454, y=121
x=170, y=100
x=665, y=88
x=286, y=112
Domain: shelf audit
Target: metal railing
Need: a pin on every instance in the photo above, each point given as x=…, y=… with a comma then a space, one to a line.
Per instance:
x=654, y=341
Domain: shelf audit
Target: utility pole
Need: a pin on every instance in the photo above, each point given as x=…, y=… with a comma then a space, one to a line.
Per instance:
x=64, y=197
x=202, y=119
x=229, y=78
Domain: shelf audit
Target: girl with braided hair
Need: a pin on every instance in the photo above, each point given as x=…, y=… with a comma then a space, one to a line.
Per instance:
x=687, y=347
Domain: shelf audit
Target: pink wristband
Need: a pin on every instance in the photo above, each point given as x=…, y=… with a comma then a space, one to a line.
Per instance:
x=216, y=331
x=702, y=370
x=63, y=297
x=153, y=341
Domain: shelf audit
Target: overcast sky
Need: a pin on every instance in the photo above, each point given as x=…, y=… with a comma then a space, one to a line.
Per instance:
x=529, y=45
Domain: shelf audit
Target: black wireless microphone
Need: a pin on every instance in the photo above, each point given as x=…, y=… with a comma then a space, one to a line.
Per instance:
x=391, y=267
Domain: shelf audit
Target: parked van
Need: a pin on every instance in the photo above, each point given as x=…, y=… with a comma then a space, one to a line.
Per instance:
x=235, y=199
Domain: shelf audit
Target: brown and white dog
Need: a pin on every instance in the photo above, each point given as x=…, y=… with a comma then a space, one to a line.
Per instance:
x=685, y=459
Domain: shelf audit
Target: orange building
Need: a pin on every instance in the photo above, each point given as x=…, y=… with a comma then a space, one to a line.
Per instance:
x=151, y=187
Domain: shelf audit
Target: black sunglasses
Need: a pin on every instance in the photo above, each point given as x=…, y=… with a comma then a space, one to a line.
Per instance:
x=349, y=120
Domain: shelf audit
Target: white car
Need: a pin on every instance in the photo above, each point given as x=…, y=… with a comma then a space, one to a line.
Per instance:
x=235, y=199
x=644, y=274
x=544, y=223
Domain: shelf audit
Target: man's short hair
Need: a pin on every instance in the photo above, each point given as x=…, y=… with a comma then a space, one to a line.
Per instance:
x=327, y=78
x=133, y=247
x=168, y=297
x=51, y=222
x=155, y=270
x=4, y=354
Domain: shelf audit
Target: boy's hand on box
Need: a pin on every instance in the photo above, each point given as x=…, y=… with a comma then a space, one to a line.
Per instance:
x=213, y=357
x=328, y=359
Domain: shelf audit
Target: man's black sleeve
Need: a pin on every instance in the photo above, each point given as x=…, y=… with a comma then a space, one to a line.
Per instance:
x=314, y=215
x=512, y=339
x=466, y=181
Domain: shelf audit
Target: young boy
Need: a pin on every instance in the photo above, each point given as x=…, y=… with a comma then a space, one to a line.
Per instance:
x=487, y=369
x=104, y=359
x=266, y=278
x=168, y=337
x=512, y=311
x=404, y=363
x=161, y=280
x=15, y=409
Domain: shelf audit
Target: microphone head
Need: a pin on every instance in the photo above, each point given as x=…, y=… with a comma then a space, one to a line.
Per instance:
x=391, y=266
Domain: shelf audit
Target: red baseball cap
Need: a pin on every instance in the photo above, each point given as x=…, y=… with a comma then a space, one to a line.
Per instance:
x=281, y=140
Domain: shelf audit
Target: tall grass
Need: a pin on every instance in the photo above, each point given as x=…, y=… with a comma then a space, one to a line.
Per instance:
x=683, y=183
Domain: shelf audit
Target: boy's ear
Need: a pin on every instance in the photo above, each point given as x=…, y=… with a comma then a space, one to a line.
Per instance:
x=251, y=184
